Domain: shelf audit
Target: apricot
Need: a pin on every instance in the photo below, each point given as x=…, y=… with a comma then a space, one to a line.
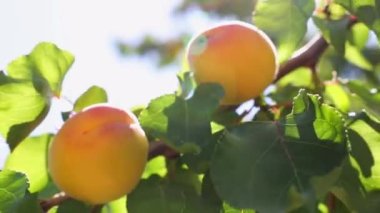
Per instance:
x=98, y=155
x=238, y=56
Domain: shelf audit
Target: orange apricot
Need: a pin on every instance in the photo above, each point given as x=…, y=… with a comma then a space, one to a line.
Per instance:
x=238, y=56
x=98, y=155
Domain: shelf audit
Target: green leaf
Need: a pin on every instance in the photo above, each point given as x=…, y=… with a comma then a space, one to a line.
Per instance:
x=229, y=209
x=189, y=120
x=285, y=20
x=29, y=203
x=338, y=97
x=22, y=109
x=367, y=11
x=30, y=158
x=369, y=96
x=334, y=31
x=260, y=165
x=183, y=123
x=349, y=188
x=355, y=56
x=46, y=66
x=301, y=77
x=370, y=120
x=73, y=206
x=358, y=35
x=154, y=195
x=155, y=166
x=13, y=186
x=368, y=138
x=209, y=194
x=27, y=89
x=49, y=191
x=153, y=120
x=180, y=194
x=93, y=95
x=311, y=120
x=361, y=152
x=116, y=206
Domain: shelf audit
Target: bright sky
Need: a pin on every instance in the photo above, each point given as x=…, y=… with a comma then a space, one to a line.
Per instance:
x=88, y=29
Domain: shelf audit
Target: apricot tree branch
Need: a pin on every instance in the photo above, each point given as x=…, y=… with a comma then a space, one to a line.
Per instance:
x=54, y=201
x=308, y=56
x=160, y=148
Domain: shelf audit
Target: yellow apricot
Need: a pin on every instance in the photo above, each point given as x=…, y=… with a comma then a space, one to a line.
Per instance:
x=238, y=56
x=98, y=155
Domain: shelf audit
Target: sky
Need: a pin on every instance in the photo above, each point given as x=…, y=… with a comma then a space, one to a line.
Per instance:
x=89, y=29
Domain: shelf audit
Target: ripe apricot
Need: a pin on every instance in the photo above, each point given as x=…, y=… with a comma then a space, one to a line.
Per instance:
x=98, y=155
x=236, y=55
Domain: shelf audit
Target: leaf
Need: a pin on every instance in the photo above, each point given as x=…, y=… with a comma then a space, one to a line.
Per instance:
x=13, y=186
x=285, y=20
x=259, y=165
x=355, y=56
x=361, y=152
x=358, y=35
x=116, y=206
x=155, y=166
x=73, y=206
x=93, y=95
x=301, y=77
x=367, y=11
x=209, y=194
x=229, y=209
x=334, y=31
x=335, y=93
x=361, y=132
x=19, y=132
x=157, y=194
x=183, y=123
x=153, y=120
x=22, y=109
x=153, y=195
x=46, y=66
x=349, y=188
x=29, y=203
x=26, y=90
x=369, y=96
x=311, y=120
x=370, y=120
x=30, y=158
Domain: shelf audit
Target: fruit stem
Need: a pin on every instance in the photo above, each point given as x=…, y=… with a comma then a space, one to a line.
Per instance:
x=54, y=201
x=97, y=208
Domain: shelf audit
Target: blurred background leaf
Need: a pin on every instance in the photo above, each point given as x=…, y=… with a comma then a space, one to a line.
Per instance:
x=30, y=158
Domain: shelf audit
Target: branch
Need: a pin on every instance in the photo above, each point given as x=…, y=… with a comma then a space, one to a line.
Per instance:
x=308, y=56
x=160, y=148
x=54, y=201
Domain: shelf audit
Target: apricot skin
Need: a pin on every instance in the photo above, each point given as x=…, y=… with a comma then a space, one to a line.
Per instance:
x=98, y=155
x=236, y=55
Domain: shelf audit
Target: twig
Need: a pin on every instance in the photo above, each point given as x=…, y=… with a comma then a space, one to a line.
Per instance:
x=54, y=201
x=308, y=55
x=97, y=209
x=160, y=148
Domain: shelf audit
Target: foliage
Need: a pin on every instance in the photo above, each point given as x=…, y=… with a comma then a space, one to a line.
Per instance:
x=310, y=143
